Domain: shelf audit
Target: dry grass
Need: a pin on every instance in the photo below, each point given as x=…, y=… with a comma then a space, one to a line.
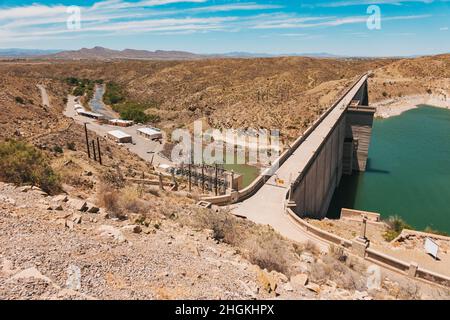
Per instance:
x=120, y=202
x=261, y=245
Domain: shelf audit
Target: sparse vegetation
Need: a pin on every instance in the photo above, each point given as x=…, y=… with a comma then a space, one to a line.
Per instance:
x=19, y=100
x=22, y=163
x=119, y=202
x=113, y=94
x=71, y=146
x=136, y=112
x=433, y=231
x=57, y=149
x=395, y=225
x=83, y=87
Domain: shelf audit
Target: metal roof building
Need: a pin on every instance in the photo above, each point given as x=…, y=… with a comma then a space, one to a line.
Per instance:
x=120, y=136
x=150, y=133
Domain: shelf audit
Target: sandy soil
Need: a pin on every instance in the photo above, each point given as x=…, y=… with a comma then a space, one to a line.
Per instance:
x=396, y=106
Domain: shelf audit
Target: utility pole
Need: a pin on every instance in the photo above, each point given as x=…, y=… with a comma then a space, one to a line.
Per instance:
x=93, y=148
x=87, y=140
x=190, y=181
x=99, y=152
x=203, y=178
x=215, y=182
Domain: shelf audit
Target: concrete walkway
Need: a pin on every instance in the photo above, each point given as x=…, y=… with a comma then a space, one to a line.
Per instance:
x=267, y=205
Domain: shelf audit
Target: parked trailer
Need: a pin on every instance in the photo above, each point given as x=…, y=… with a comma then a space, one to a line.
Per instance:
x=93, y=115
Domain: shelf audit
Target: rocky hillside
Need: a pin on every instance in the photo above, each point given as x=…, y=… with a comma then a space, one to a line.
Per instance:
x=276, y=93
x=107, y=237
x=65, y=247
x=409, y=77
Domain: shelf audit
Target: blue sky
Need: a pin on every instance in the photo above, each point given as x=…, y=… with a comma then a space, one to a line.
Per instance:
x=408, y=27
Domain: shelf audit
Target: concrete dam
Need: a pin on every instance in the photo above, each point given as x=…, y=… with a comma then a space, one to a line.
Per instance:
x=309, y=172
x=338, y=146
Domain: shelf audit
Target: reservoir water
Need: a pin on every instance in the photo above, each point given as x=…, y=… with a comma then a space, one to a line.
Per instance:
x=408, y=172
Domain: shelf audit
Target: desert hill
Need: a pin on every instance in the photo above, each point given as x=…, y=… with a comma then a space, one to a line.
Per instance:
x=142, y=242
x=100, y=53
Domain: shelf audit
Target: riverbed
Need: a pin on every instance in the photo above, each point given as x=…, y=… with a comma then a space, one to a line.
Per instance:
x=97, y=105
x=408, y=171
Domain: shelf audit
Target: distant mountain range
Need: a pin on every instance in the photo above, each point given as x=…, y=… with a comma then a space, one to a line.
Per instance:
x=100, y=53
x=13, y=52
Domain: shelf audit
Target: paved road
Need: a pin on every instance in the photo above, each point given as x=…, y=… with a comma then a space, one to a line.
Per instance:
x=144, y=148
x=267, y=205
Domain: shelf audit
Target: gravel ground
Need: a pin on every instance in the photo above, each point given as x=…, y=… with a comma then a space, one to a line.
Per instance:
x=42, y=258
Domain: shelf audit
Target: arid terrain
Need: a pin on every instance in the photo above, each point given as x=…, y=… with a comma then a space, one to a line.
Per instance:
x=149, y=243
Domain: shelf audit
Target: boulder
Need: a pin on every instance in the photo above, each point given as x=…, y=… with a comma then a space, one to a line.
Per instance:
x=30, y=273
x=288, y=287
x=76, y=218
x=299, y=281
x=110, y=231
x=77, y=204
x=25, y=188
x=60, y=198
x=267, y=281
x=313, y=287
x=69, y=224
x=307, y=257
x=92, y=208
x=132, y=228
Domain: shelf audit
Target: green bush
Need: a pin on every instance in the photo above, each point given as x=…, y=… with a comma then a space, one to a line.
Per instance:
x=395, y=225
x=113, y=94
x=83, y=86
x=135, y=115
x=135, y=111
x=21, y=163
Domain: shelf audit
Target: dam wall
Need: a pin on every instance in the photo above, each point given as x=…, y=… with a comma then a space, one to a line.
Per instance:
x=307, y=174
x=344, y=150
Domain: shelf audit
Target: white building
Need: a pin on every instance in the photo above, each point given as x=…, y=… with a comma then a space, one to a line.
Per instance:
x=120, y=136
x=150, y=133
x=121, y=123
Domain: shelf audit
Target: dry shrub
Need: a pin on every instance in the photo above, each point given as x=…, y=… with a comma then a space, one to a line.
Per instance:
x=261, y=245
x=331, y=269
x=110, y=201
x=130, y=200
x=71, y=173
x=154, y=192
x=267, y=254
x=113, y=179
x=118, y=202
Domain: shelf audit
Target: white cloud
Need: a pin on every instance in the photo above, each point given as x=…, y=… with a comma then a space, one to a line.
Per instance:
x=443, y=29
x=366, y=2
x=119, y=17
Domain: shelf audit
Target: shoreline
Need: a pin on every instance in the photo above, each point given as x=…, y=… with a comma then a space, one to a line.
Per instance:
x=396, y=106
